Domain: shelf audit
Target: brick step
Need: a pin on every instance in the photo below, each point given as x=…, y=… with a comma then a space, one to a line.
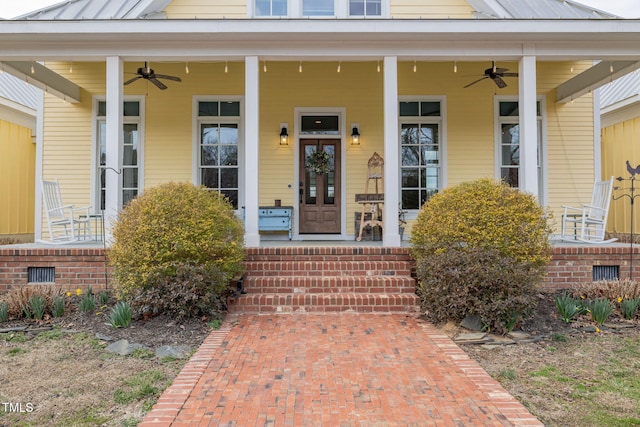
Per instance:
x=325, y=303
x=327, y=268
x=331, y=284
x=327, y=254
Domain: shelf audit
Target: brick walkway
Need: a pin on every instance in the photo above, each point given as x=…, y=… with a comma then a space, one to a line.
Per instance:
x=342, y=370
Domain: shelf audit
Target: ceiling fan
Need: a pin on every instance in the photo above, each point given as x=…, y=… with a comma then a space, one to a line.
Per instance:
x=148, y=73
x=495, y=74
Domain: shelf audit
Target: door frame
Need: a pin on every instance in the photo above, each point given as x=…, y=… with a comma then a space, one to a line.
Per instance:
x=341, y=112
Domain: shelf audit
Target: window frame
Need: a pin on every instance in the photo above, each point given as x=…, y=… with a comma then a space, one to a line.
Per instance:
x=95, y=152
x=270, y=15
x=341, y=10
x=541, y=145
x=441, y=121
x=196, y=126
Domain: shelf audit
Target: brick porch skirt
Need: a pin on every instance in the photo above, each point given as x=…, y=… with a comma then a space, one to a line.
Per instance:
x=83, y=267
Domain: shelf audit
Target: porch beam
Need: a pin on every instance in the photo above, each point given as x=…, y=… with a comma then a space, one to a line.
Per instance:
x=43, y=78
x=593, y=78
x=391, y=233
x=114, y=141
x=528, y=124
x=251, y=171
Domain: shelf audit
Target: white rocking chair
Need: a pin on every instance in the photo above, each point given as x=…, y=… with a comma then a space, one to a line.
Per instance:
x=588, y=223
x=66, y=223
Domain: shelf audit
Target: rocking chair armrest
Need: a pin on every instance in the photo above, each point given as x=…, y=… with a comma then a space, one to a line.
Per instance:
x=567, y=208
x=594, y=207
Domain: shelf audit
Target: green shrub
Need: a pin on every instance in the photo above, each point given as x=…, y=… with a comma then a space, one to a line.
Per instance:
x=4, y=311
x=87, y=302
x=600, y=309
x=463, y=281
x=183, y=291
x=174, y=224
x=629, y=307
x=58, y=306
x=481, y=248
x=37, y=306
x=120, y=315
x=484, y=214
x=569, y=307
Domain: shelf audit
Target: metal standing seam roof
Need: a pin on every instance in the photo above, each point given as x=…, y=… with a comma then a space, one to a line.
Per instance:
x=551, y=9
x=99, y=9
x=16, y=90
x=150, y=9
x=623, y=88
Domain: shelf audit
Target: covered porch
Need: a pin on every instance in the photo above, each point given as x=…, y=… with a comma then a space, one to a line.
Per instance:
x=359, y=72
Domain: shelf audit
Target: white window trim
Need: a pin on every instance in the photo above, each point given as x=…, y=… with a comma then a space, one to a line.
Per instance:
x=542, y=120
x=341, y=112
x=95, y=191
x=412, y=214
x=340, y=9
x=195, y=145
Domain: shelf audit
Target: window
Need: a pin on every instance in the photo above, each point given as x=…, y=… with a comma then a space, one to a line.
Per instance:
x=420, y=151
x=508, y=145
x=131, y=152
x=365, y=7
x=218, y=147
x=317, y=8
x=271, y=8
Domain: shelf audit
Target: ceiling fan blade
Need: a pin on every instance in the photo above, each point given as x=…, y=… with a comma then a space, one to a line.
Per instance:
x=509, y=74
x=132, y=80
x=162, y=76
x=158, y=83
x=479, y=80
x=499, y=82
x=501, y=71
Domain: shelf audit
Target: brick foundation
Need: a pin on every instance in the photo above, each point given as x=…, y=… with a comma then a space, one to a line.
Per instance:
x=74, y=267
x=83, y=267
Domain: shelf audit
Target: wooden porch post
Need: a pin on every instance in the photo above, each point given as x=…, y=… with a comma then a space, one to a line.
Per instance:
x=252, y=125
x=391, y=234
x=114, y=136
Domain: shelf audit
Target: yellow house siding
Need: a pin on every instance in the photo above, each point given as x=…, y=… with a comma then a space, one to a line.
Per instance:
x=17, y=180
x=206, y=9
x=570, y=140
x=431, y=9
x=619, y=144
x=357, y=89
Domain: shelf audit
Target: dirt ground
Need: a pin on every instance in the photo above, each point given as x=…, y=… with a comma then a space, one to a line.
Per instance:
x=59, y=374
x=572, y=376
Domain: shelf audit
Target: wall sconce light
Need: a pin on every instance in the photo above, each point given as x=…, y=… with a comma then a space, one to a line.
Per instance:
x=355, y=134
x=284, y=134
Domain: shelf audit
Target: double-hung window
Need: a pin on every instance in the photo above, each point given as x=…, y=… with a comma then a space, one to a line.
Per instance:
x=218, y=147
x=508, y=144
x=421, y=149
x=365, y=7
x=131, y=152
x=319, y=8
x=270, y=7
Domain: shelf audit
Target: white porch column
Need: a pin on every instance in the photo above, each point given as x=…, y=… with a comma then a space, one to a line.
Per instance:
x=391, y=234
x=528, y=125
x=252, y=125
x=114, y=136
